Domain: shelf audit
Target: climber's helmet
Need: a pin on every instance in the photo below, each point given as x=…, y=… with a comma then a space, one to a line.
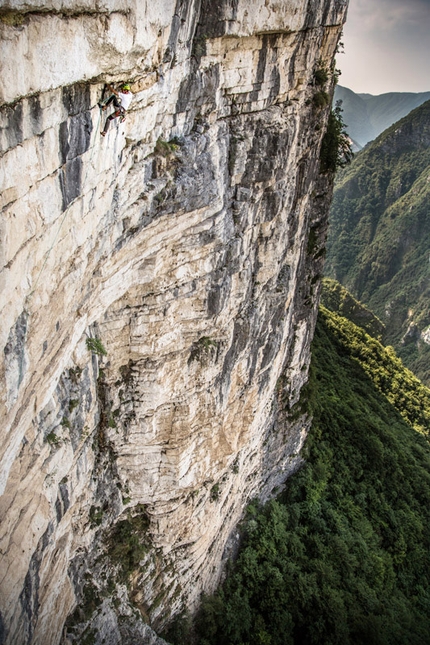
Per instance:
x=125, y=88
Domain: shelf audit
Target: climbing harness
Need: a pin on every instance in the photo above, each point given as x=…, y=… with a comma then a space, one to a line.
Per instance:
x=120, y=100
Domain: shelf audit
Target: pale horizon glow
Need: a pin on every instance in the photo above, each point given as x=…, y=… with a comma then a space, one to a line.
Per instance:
x=387, y=47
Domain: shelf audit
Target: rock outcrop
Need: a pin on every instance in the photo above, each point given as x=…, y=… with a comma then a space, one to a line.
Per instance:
x=156, y=284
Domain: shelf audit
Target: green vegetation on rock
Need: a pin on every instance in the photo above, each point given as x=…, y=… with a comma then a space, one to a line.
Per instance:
x=128, y=542
x=96, y=346
x=343, y=556
x=379, y=236
x=335, y=147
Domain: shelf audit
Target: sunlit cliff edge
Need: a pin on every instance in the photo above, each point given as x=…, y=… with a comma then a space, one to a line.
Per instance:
x=189, y=243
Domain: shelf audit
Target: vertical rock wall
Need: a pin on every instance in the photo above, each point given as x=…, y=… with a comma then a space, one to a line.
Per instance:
x=188, y=243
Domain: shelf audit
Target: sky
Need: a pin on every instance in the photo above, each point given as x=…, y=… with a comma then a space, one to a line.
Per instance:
x=387, y=46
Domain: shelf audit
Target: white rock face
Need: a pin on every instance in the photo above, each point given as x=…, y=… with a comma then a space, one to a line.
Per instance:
x=189, y=241
x=425, y=335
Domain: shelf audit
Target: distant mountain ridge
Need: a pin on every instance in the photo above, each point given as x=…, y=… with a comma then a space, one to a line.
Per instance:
x=366, y=115
x=379, y=236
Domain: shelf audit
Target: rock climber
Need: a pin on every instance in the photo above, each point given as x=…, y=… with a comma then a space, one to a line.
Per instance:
x=121, y=101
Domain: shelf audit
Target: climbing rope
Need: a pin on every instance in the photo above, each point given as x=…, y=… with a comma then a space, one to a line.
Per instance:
x=65, y=212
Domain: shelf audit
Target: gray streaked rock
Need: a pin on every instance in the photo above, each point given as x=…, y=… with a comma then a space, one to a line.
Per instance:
x=189, y=243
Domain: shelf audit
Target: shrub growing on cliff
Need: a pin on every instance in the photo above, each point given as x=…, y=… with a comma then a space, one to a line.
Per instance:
x=320, y=99
x=129, y=541
x=96, y=346
x=166, y=148
x=321, y=75
x=215, y=493
x=336, y=149
x=202, y=348
x=12, y=18
x=53, y=440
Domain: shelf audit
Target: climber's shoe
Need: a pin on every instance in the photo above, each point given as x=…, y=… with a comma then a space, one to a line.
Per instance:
x=103, y=133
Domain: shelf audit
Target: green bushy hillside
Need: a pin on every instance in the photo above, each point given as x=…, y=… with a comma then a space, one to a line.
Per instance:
x=379, y=236
x=343, y=557
x=338, y=299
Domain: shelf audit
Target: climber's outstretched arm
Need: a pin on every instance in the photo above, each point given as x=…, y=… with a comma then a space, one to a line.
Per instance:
x=112, y=89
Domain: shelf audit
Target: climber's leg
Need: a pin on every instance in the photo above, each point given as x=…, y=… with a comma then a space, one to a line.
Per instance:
x=107, y=123
x=110, y=118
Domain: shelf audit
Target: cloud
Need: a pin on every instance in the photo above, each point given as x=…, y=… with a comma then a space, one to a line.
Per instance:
x=386, y=46
x=386, y=15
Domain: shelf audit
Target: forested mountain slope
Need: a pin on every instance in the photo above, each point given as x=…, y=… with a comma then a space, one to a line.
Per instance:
x=379, y=235
x=343, y=556
x=338, y=299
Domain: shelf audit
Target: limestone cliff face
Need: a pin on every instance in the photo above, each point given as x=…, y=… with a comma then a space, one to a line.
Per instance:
x=188, y=244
